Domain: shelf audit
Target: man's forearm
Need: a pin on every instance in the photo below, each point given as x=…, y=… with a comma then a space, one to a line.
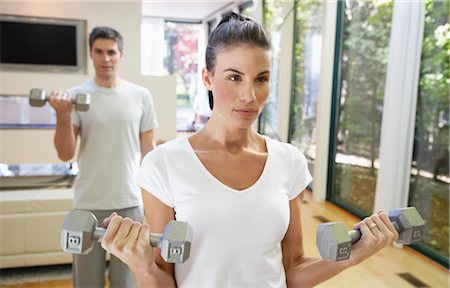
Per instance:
x=65, y=138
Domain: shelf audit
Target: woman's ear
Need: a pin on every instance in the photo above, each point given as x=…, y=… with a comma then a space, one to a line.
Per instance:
x=207, y=79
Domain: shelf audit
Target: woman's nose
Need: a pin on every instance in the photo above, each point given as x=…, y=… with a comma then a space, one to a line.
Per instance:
x=248, y=95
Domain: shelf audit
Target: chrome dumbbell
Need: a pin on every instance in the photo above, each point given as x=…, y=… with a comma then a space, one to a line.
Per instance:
x=38, y=97
x=80, y=231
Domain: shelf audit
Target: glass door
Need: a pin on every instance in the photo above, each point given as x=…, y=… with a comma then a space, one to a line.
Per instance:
x=430, y=180
x=360, y=72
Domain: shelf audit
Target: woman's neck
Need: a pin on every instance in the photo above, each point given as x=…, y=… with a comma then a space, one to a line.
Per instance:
x=229, y=138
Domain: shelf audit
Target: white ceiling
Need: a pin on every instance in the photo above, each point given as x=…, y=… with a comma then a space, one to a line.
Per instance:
x=185, y=10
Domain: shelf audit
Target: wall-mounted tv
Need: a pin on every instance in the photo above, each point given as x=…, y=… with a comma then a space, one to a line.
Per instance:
x=38, y=44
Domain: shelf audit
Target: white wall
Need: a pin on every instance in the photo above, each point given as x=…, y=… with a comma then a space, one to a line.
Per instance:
x=36, y=145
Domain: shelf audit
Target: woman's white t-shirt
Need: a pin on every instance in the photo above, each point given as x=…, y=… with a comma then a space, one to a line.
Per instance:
x=237, y=234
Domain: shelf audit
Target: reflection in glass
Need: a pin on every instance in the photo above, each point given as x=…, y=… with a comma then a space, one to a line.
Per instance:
x=273, y=21
x=366, y=32
x=430, y=179
x=307, y=53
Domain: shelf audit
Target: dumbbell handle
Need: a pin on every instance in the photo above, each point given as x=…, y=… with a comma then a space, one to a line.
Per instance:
x=155, y=238
x=45, y=95
x=356, y=234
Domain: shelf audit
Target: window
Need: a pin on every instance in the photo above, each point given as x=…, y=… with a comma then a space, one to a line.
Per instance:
x=173, y=48
x=273, y=20
x=247, y=9
x=430, y=179
x=359, y=102
x=307, y=53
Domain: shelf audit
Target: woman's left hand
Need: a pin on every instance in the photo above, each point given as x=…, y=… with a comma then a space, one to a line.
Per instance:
x=377, y=232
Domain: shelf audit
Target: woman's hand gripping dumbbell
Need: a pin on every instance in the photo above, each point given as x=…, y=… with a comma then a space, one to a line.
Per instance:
x=334, y=241
x=80, y=231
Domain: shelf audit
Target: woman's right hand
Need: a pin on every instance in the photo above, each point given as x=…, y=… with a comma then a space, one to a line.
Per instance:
x=129, y=241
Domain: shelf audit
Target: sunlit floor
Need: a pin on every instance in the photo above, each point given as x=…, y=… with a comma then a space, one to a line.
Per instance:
x=392, y=267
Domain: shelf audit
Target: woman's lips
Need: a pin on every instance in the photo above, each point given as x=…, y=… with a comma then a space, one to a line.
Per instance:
x=246, y=112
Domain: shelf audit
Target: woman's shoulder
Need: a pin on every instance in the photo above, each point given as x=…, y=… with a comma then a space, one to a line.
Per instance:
x=279, y=145
x=172, y=145
x=166, y=151
x=283, y=149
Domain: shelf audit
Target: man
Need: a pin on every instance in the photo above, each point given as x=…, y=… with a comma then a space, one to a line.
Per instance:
x=115, y=134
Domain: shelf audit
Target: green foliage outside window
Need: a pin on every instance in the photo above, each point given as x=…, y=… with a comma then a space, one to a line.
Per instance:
x=307, y=53
x=367, y=28
x=430, y=177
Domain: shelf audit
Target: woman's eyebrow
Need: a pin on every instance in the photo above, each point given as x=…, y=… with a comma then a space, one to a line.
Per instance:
x=233, y=70
x=239, y=72
x=264, y=72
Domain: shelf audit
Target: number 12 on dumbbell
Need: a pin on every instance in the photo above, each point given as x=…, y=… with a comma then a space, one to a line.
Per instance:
x=38, y=97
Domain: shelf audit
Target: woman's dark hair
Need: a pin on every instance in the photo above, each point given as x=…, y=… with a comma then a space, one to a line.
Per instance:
x=106, y=33
x=234, y=30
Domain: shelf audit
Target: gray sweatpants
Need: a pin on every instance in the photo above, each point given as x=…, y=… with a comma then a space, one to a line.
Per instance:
x=89, y=270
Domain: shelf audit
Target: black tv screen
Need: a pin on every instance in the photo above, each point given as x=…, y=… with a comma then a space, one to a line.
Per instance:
x=27, y=43
x=42, y=43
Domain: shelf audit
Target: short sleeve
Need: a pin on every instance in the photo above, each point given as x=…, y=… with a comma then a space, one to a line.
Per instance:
x=301, y=177
x=148, y=120
x=152, y=176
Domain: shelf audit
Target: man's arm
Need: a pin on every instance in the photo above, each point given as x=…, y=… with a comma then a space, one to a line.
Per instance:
x=66, y=139
x=147, y=142
x=66, y=133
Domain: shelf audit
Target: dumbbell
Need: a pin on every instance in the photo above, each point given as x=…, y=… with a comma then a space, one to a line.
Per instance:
x=79, y=233
x=39, y=96
x=334, y=241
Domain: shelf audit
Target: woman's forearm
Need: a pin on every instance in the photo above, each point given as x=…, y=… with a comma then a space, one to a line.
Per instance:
x=309, y=271
x=156, y=277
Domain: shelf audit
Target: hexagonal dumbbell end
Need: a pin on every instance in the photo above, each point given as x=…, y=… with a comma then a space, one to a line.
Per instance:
x=82, y=101
x=78, y=232
x=333, y=241
x=175, y=242
x=409, y=224
x=37, y=97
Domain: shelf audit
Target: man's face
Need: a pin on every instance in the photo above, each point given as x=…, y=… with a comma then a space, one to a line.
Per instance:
x=105, y=55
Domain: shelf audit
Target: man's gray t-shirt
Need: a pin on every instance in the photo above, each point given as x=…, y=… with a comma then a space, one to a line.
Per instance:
x=110, y=151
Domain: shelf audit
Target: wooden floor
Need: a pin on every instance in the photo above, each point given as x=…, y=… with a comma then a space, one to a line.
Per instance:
x=392, y=267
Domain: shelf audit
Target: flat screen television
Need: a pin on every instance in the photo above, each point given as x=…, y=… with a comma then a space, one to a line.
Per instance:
x=38, y=44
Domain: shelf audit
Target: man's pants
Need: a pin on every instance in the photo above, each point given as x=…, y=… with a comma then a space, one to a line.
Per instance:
x=89, y=270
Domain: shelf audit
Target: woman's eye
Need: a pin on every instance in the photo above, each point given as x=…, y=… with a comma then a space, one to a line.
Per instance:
x=235, y=78
x=262, y=79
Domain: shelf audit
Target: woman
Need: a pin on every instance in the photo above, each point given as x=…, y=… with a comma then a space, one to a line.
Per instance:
x=240, y=191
